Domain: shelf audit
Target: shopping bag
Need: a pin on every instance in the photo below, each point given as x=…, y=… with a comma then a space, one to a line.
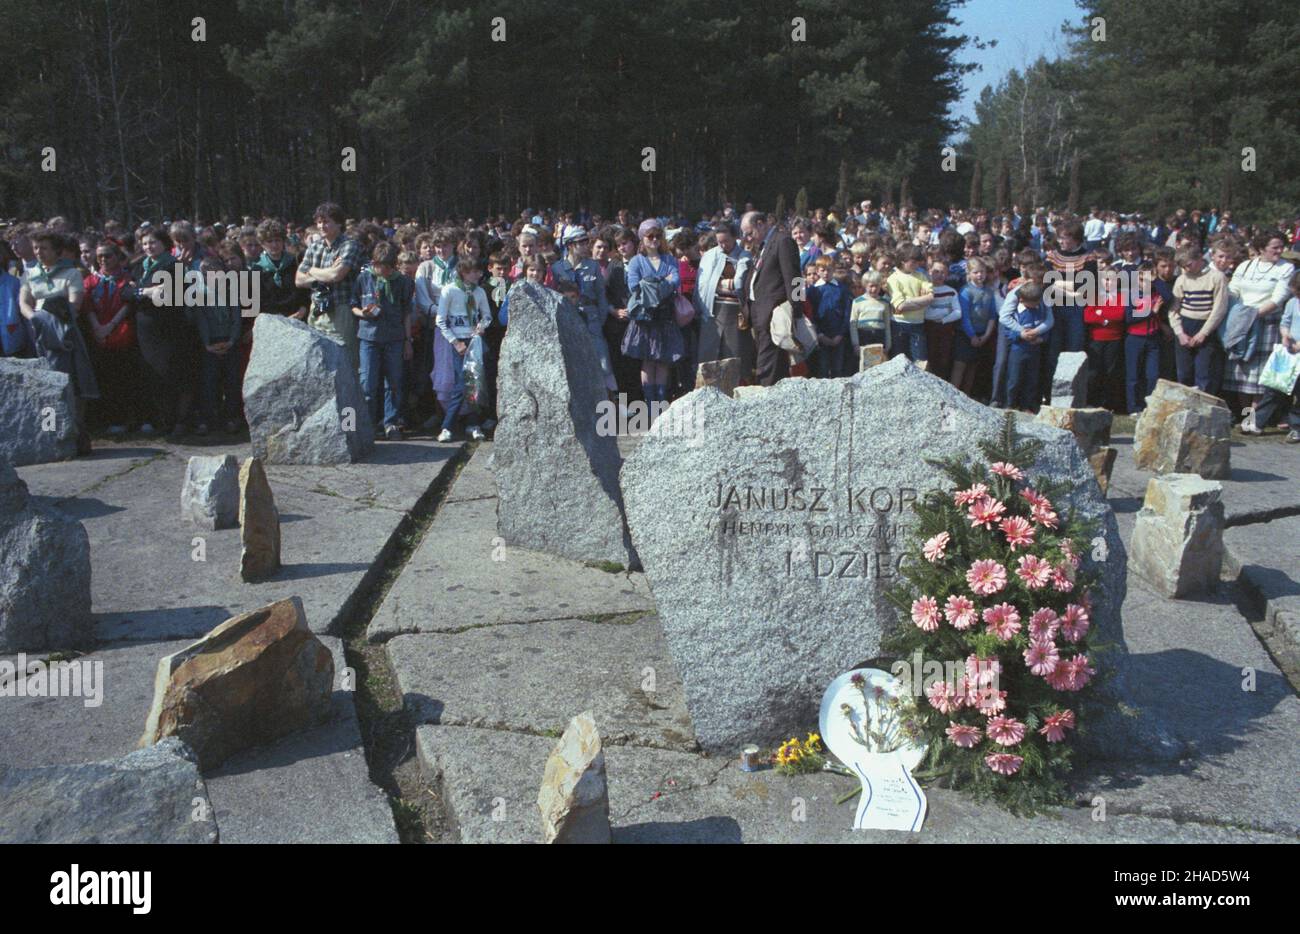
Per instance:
x=475, y=373
x=1281, y=370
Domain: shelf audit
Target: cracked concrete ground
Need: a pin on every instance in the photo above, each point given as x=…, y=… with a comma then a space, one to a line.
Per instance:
x=151, y=595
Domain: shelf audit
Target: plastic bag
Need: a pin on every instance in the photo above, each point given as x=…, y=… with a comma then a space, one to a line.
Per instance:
x=1281, y=370
x=475, y=373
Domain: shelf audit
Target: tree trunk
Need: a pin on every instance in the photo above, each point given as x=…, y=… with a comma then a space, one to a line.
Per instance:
x=1072, y=203
x=976, y=186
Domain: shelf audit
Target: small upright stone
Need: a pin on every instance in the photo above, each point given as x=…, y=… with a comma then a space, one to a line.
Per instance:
x=871, y=355
x=1103, y=462
x=210, y=496
x=1070, y=381
x=723, y=375
x=259, y=523
x=1184, y=430
x=253, y=679
x=574, y=799
x=1178, y=539
x=1090, y=427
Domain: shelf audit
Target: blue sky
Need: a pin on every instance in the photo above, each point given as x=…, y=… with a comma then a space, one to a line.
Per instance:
x=1024, y=29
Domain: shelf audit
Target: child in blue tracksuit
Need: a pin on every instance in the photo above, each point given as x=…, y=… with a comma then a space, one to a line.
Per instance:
x=382, y=299
x=1027, y=324
x=832, y=302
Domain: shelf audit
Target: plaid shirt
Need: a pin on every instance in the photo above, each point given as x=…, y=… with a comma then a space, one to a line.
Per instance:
x=321, y=255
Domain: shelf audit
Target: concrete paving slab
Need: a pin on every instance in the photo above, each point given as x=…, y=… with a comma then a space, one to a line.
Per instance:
x=461, y=575
x=490, y=779
x=476, y=479
x=146, y=583
x=1265, y=559
x=310, y=787
x=60, y=730
x=307, y=787
x=534, y=677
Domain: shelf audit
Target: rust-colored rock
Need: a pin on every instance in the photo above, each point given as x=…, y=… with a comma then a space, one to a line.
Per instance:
x=724, y=375
x=1103, y=462
x=1184, y=430
x=259, y=523
x=870, y=355
x=253, y=679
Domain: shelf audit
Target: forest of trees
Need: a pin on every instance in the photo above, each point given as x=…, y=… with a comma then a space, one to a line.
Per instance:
x=145, y=113
x=1156, y=106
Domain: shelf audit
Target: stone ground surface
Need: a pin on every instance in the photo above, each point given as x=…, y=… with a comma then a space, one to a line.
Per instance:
x=150, y=598
x=492, y=658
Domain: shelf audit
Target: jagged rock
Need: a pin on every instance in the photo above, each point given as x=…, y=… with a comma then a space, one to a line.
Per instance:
x=44, y=572
x=259, y=523
x=1178, y=539
x=302, y=397
x=1184, y=430
x=574, y=798
x=1090, y=427
x=870, y=355
x=256, y=677
x=557, y=474
x=723, y=375
x=1103, y=462
x=210, y=496
x=1070, y=381
x=37, y=423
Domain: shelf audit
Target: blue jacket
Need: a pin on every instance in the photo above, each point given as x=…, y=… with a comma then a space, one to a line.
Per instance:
x=832, y=303
x=390, y=324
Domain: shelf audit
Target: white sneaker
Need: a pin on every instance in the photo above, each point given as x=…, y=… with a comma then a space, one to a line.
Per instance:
x=392, y=433
x=476, y=433
x=444, y=435
x=1248, y=425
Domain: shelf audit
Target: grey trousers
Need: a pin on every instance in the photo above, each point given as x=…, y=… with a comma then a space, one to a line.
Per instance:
x=720, y=338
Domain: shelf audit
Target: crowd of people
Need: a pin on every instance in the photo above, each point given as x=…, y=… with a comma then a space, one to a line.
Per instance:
x=986, y=300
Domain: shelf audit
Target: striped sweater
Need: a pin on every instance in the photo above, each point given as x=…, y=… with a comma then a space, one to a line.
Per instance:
x=1201, y=298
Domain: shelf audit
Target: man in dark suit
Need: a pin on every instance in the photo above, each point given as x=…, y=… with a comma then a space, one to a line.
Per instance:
x=774, y=277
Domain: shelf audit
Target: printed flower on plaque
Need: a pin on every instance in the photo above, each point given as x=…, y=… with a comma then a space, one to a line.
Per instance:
x=1006, y=555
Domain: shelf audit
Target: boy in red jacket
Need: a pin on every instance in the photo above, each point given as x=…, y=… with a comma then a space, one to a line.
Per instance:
x=1105, y=324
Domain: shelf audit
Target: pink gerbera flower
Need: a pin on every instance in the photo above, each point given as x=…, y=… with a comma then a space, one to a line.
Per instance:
x=935, y=548
x=1034, y=498
x=1003, y=620
x=966, y=497
x=1018, y=531
x=943, y=697
x=963, y=735
x=990, y=701
x=1043, y=624
x=925, y=613
x=1074, y=623
x=1033, y=571
x=1005, y=731
x=960, y=612
x=1080, y=673
x=1044, y=516
x=986, y=576
x=1004, y=763
x=1010, y=471
x=1062, y=579
x=1072, y=556
x=1042, y=658
x=985, y=511
x=1054, y=727
x=984, y=671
